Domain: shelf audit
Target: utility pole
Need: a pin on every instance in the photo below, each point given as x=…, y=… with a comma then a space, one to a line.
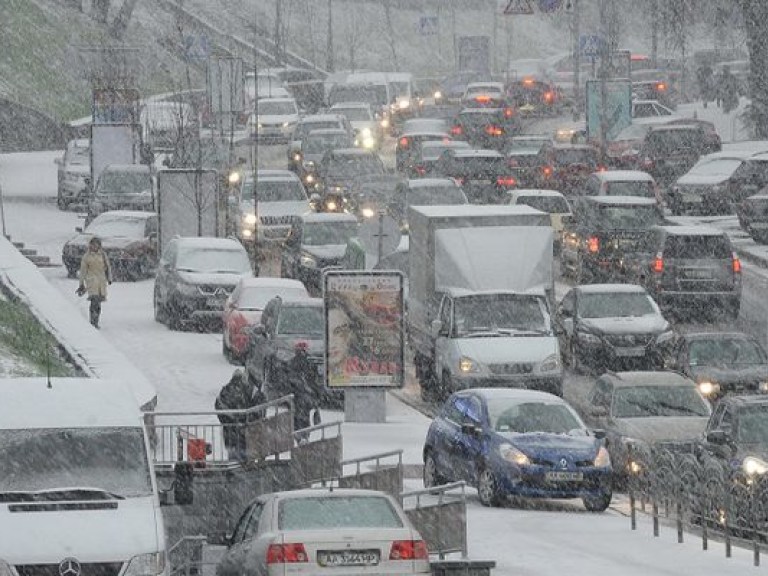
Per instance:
x=577, y=97
x=278, y=33
x=255, y=152
x=605, y=64
x=655, y=33
x=329, y=49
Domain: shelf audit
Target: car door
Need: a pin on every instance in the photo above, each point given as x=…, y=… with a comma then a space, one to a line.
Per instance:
x=467, y=446
x=442, y=340
x=234, y=561
x=569, y=251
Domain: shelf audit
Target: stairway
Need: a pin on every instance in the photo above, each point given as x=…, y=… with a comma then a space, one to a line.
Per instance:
x=31, y=254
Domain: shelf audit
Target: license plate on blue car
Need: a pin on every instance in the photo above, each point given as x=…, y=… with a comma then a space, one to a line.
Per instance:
x=563, y=476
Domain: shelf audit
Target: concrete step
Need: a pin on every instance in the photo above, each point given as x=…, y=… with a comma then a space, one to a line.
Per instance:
x=18, y=245
x=39, y=259
x=28, y=252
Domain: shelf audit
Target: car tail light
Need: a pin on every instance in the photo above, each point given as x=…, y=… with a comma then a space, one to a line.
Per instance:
x=456, y=130
x=736, y=265
x=404, y=142
x=601, y=168
x=420, y=170
x=409, y=550
x=482, y=99
x=549, y=97
x=507, y=181
x=509, y=112
x=460, y=180
x=547, y=171
x=647, y=162
x=494, y=130
x=593, y=244
x=286, y=554
x=658, y=264
x=661, y=87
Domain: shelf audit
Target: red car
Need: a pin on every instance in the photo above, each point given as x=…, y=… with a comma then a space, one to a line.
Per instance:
x=244, y=306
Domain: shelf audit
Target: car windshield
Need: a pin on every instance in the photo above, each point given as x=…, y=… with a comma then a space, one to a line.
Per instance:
x=354, y=114
x=697, y=246
x=373, y=94
x=753, y=425
x=109, y=226
x=615, y=305
x=301, y=321
x=319, y=144
x=479, y=167
x=114, y=182
x=613, y=217
x=277, y=108
x=433, y=150
x=328, y=233
x=500, y=314
x=509, y=415
x=213, y=260
x=548, y=204
x=436, y=195
x=334, y=512
x=112, y=460
x=256, y=298
x=655, y=401
x=352, y=166
x=725, y=352
x=275, y=191
x=628, y=188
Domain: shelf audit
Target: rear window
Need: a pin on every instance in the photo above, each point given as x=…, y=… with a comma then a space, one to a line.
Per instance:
x=479, y=167
x=548, y=204
x=642, y=189
x=697, y=246
x=566, y=157
x=337, y=512
x=672, y=141
x=625, y=217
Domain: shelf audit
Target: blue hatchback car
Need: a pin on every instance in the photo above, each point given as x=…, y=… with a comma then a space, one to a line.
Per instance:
x=517, y=442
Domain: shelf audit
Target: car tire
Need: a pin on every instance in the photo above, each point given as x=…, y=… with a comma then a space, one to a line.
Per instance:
x=160, y=314
x=488, y=488
x=598, y=503
x=430, y=476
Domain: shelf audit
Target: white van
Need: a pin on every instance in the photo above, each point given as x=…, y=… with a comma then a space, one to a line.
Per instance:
x=77, y=489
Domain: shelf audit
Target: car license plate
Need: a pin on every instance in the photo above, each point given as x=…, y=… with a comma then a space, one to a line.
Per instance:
x=215, y=302
x=692, y=199
x=698, y=274
x=348, y=558
x=630, y=352
x=563, y=476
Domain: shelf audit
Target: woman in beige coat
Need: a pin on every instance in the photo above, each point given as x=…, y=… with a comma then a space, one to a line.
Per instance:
x=95, y=274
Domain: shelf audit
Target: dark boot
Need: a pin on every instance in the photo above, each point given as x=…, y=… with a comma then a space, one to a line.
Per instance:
x=95, y=311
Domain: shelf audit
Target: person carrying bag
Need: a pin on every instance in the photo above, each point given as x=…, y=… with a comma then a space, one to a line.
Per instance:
x=95, y=275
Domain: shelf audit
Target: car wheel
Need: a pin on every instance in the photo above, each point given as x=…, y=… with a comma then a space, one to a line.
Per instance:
x=430, y=475
x=598, y=503
x=488, y=488
x=160, y=314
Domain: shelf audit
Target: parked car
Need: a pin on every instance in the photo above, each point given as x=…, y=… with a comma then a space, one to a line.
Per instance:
x=566, y=167
x=610, y=326
x=122, y=187
x=753, y=217
x=623, y=183
x=366, y=129
x=483, y=174
x=484, y=88
x=194, y=278
x=536, y=97
x=423, y=192
x=517, y=442
x=689, y=269
x=276, y=120
x=129, y=240
x=603, y=232
x=74, y=172
x=525, y=164
x=324, y=531
x=288, y=328
x=651, y=109
x=243, y=309
x=308, y=124
x=719, y=362
x=428, y=154
x=669, y=151
x=281, y=198
x=638, y=409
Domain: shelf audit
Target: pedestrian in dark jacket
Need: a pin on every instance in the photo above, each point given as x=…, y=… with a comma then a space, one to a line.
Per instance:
x=237, y=394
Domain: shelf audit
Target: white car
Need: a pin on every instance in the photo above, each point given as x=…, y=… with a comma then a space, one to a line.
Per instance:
x=320, y=531
x=550, y=201
x=493, y=89
x=276, y=120
x=367, y=130
x=651, y=109
x=281, y=198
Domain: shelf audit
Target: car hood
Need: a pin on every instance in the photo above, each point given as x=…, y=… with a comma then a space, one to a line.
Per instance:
x=326, y=252
x=662, y=428
x=503, y=349
x=278, y=118
x=702, y=179
x=292, y=208
x=633, y=325
x=107, y=242
x=725, y=375
x=103, y=535
x=553, y=447
x=227, y=279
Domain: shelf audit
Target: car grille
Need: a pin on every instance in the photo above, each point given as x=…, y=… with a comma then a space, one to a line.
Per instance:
x=103, y=569
x=629, y=339
x=512, y=368
x=215, y=290
x=555, y=463
x=278, y=220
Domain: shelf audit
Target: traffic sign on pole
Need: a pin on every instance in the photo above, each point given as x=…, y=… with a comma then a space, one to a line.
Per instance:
x=590, y=45
x=517, y=7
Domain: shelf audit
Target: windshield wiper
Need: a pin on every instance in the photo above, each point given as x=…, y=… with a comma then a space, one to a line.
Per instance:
x=523, y=331
x=187, y=270
x=59, y=495
x=677, y=408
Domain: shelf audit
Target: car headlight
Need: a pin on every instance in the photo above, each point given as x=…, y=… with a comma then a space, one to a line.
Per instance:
x=762, y=387
x=403, y=103
x=146, y=565
x=550, y=363
x=385, y=122
x=603, y=459
x=366, y=132
x=186, y=289
x=309, y=178
x=438, y=95
x=309, y=164
x=588, y=338
x=369, y=142
x=250, y=219
x=297, y=157
x=368, y=212
x=5, y=569
x=708, y=388
x=286, y=124
x=513, y=455
x=754, y=466
x=308, y=262
x=246, y=233
x=234, y=177
x=331, y=205
x=468, y=366
x=259, y=125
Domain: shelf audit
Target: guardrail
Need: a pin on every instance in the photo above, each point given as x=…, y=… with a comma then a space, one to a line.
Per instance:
x=701, y=494
x=440, y=516
x=185, y=557
x=319, y=458
x=371, y=474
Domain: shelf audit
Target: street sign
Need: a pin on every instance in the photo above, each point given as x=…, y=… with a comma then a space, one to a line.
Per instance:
x=427, y=25
x=617, y=110
x=197, y=47
x=516, y=7
x=380, y=235
x=590, y=45
x=548, y=6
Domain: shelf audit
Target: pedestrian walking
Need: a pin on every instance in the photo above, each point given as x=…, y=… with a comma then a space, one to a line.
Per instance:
x=237, y=394
x=95, y=275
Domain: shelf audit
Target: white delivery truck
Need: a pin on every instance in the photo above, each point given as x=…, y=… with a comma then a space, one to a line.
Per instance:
x=77, y=487
x=480, y=292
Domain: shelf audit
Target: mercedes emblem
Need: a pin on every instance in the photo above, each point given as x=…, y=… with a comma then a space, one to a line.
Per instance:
x=69, y=567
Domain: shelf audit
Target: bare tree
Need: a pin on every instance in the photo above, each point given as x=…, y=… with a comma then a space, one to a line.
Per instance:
x=755, y=13
x=354, y=38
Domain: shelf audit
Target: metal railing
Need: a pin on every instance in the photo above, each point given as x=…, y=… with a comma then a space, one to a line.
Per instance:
x=375, y=473
x=440, y=516
x=185, y=557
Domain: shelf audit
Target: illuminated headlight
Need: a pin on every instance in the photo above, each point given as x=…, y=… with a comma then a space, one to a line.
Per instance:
x=587, y=338
x=368, y=212
x=603, y=459
x=550, y=363
x=234, y=177
x=513, y=455
x=634, y=467
x=259, y=126
x=146, y=565
x=308, y=164
x=246, y=232
x=762, y=387
x=331, y=205
x=308, y=262
x=438, y=95
x=708, y=388
x=385, y=122
x=468, y=366
x=754, y=466
x=286, y=124
x=250, y=219
x=366, y=132
x=309, y=178
x=297, y=157
x=404, y=103
x=369, y=142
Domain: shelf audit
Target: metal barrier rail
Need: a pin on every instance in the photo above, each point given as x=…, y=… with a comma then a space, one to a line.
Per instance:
x=189, y=551
x=442, y=520
x=385, y=478
x=318, y=452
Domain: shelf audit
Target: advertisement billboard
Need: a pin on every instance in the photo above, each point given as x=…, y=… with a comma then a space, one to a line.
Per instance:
x=364, y=329
x=112, y=144
x=617, y=108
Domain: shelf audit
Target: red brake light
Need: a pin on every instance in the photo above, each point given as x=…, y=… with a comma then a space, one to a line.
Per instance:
x=736, y=265
x=549, y=97
x=482, y=99
x=658, y=264
x=301, y=345
x=593, y=244
x=409, y=550
x=661, y=87
x=460, y=180
x=494, y=130
x=404, y=142
x=507, y=181
x=547, y=170
x=420, y=170
x=456, y=130
x=601, y=168
x=286, y=554
x=509, y=112
x=528, y=82
x=647, y=163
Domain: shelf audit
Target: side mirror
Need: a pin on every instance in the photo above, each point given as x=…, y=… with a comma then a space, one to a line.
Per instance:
x=718, y=437
x=183, y=483
x=470, y=429
x=436, y=327
x=599, y=433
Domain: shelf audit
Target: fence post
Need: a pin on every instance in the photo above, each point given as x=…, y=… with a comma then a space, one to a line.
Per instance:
x=680, y=515
x=632, y=512
x=727, y=523
x=655, y=513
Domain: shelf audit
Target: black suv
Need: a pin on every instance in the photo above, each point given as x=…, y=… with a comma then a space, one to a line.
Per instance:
x=194, y=278
x=669, y=151
x=485, y=127
x=603, y=232
x=753, y=216
x=289, y=328
x=483, y=174
x=687, y=268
